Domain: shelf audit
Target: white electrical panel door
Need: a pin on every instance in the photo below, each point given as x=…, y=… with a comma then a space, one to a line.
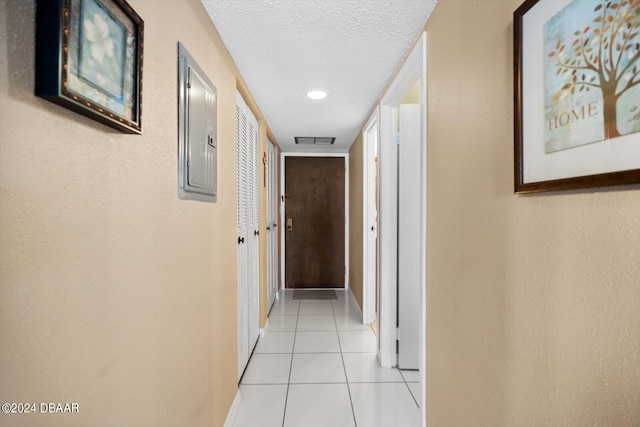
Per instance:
x=201, y=140
x=197, y=123
x=248, y=219
x=409, y=226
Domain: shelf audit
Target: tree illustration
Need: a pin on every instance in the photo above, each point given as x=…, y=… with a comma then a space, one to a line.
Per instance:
x=604, y=55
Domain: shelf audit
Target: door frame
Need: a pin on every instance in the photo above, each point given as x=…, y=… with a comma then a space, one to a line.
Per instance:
x=272, y=234
x=369, y=187
x=413, y=69
x=283, y=156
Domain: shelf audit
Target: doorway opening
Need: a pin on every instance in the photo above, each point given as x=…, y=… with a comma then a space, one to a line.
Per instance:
x=314, y=215
x=272, y=224
x=402, y=219
x=370, y=222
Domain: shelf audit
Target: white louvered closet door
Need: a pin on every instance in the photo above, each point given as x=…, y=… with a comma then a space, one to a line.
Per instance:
x=253, y=196
x=247, y=220
x=272, y=235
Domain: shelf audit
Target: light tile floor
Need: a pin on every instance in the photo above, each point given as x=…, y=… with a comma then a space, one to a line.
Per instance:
x=317, y=367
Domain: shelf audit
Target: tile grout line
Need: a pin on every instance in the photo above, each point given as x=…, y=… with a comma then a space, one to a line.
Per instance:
x=409, y=388
x=286, y=399
x=344, y=367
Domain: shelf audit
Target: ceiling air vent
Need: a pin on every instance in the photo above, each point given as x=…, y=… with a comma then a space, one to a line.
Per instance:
x=310, y=140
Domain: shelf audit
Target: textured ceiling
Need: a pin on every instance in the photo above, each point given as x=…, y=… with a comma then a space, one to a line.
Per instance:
x=284, y=47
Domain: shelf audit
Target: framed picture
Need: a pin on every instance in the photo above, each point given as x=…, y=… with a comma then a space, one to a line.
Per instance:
x=89, y=59
x=577, y=94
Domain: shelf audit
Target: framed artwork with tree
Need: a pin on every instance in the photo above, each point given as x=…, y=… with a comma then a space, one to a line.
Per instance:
x=577, y=94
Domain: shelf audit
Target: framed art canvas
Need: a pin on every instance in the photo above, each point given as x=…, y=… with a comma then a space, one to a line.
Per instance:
x=577, y=94
x=89, y=59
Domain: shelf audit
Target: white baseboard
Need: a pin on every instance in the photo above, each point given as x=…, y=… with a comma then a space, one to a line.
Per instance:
x=354, y=301
x=263, y=331
x=233, y=411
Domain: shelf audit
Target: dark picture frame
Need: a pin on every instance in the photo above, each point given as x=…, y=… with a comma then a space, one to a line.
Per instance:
x=89, y=59
x=560, y=105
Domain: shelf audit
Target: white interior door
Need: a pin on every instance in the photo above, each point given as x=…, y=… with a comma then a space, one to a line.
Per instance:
x=247, y=227
x=254, y=231
x=370, y=220
x=242, y=227
x=272, y=261
x=409, y=239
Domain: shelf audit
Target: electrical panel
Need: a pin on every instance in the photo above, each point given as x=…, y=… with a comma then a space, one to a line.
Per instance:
x=197, y=128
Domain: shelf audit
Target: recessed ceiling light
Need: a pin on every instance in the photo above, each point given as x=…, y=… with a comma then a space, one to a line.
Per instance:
x=317, y=94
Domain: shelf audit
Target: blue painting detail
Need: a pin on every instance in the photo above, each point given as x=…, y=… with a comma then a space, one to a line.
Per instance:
x=102, y=50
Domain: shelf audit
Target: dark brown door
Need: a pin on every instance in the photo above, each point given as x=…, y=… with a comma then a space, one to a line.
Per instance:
x=314, y=222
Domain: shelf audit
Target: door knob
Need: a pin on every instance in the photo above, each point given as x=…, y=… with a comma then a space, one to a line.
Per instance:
x=256, y=233
x=240, y=240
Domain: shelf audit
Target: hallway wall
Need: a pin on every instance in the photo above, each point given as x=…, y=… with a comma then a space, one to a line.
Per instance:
x=355, y=219
x=532, y=300
x=114, y=293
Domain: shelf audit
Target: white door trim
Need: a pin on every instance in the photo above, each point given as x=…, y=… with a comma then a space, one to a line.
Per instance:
x=283, y=156
x=410, y=152
x=387, y=237
x=414, y=68
x=371, y=131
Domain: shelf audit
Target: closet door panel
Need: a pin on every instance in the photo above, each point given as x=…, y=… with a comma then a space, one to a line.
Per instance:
x=248, y=221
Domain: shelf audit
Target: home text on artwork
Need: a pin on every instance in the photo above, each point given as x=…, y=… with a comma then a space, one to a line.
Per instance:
x=570, y=117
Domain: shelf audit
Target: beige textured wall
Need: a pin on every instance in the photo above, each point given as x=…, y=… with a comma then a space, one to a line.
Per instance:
x=355, y=218
x=533, y=314
x=113, y=292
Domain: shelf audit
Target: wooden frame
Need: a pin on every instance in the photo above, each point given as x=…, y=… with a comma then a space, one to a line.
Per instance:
x=89, y=59
x=570, y=131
